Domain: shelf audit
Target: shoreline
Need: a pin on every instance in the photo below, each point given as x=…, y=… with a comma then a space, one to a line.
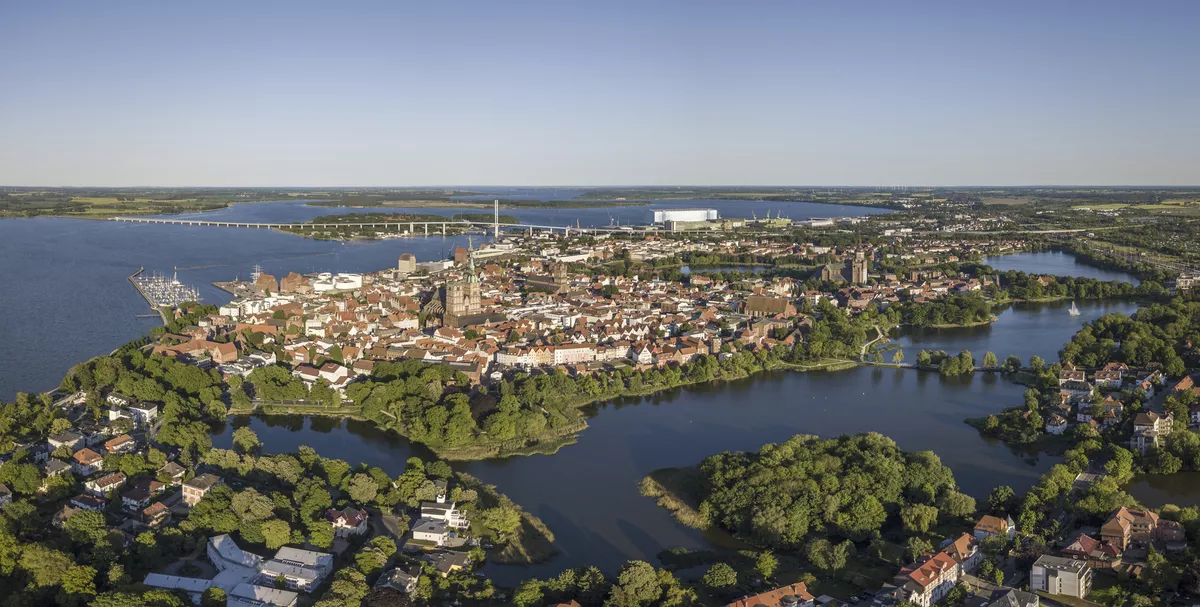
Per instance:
x=546, y=445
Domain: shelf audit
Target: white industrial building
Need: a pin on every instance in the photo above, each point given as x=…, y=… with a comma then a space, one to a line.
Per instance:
x=249, y=581
x=342, y=282
x=664, y=215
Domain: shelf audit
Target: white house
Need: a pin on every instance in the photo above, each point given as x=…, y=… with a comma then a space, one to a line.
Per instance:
x=335, y=374
x=86, y=462
x=1057, y=424
x=989, y=525
x=348, y=522
x=445, y=512
x=144, y=413
x=105, y=484
x=429, y=530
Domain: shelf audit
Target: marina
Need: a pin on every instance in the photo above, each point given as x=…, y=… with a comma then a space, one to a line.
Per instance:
x=161, y=292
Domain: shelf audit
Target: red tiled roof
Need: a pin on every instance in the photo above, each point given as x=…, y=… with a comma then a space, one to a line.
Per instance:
x=773, y=598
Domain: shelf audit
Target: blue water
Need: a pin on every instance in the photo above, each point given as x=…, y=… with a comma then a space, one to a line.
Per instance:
x=66, y=297
x=1056, y=263
x=588, y=217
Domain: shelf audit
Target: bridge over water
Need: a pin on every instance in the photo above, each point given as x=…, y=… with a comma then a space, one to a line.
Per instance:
x=412, y=226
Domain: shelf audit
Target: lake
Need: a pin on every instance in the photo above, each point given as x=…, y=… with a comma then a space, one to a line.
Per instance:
x=1158, y=490
x=1023, y=329
x=1057, y=263
x=588, y=492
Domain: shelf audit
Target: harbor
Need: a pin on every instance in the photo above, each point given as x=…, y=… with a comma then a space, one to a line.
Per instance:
x=162, y=293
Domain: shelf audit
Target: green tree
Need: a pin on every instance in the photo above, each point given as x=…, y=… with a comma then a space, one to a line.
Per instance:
x=276, y=533
x=503, y=520
x=990, y=361
x=956, y=503
x=87, y=527
x=826, y=555
x=720, y=575
x=528, y=594
x=320, y=534
x=363, y=488
x=213, y=597
x=45, y=566
x=79, y=580
x=766, y=564
x=1037, y=363
x=637, y=584
x=916, y=546
x=1000, y=500
x=862, y=517
x=918, y=518
x=898, y=356
x=245, y=439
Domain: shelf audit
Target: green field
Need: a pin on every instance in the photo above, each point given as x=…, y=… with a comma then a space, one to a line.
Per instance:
x=1112, y=206
x=999, y=200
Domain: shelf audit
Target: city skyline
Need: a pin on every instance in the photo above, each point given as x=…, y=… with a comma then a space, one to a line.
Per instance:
x=542, y=94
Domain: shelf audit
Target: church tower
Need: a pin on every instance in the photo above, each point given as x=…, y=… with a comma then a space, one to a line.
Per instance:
x=463, y=297
x=858, y=268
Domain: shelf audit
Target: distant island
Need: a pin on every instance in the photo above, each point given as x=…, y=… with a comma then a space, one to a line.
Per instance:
x=371, y=201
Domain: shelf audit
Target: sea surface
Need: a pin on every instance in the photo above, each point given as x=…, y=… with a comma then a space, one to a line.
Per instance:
x=66, y=297
x=587, y=217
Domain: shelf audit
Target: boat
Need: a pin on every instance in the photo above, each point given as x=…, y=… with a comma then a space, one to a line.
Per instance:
x=1074, y=310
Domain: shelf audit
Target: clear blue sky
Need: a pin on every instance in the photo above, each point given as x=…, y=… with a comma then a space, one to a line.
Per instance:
x=565, y=92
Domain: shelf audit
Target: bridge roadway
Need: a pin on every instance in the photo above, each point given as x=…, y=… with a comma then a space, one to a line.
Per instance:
x=398, y=225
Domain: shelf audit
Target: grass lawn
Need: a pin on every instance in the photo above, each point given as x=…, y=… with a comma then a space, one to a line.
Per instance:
x=1104, y=587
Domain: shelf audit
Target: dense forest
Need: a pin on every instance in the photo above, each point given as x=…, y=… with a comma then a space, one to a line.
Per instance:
x=949, y=309
x=1158, y=333
x=850, y=487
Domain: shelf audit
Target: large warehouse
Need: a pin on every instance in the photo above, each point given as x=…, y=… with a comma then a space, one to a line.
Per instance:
x=665, y=215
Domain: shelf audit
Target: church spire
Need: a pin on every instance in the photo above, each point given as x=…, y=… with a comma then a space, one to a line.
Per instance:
x=471, y=277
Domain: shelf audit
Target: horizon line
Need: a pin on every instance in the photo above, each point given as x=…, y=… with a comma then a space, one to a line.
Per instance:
x=630, y=186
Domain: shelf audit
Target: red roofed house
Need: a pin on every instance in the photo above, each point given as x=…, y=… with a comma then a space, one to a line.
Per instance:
x=793, y=595
x=927, y=580
x=86, y=462
x=989, y=525
x=1139, y=527
x=156, y=514
x=120, y=444
x=348, y=522
x=1095, y=552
